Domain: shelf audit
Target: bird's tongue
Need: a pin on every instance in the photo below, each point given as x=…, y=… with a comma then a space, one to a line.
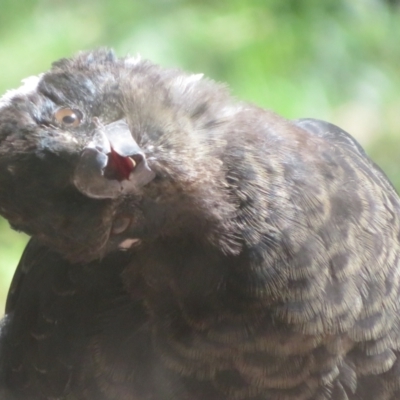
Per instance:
x=118, y=167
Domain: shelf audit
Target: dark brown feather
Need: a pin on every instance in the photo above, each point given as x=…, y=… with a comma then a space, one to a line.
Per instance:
x=259, y=262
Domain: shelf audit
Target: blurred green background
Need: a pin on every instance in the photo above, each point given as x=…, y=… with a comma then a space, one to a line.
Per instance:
x=329, y=59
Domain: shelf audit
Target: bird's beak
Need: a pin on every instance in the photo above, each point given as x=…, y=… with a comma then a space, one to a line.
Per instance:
x=112, y=163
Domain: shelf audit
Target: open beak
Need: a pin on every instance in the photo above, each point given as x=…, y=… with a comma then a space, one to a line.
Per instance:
x=112, y=163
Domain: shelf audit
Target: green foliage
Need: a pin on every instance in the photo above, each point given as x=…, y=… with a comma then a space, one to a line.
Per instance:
x=333, y=59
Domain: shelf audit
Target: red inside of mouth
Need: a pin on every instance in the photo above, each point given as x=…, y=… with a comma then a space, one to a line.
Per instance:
x=118, y=167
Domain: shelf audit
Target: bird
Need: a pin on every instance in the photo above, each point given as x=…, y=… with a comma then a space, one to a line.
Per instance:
x=187, y=245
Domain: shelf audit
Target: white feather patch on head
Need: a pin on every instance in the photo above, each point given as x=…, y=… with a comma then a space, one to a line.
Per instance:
x=29, y=85
x=194, y=77
x=186, y=82
x=131, y=61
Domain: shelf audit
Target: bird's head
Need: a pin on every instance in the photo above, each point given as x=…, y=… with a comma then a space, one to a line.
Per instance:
x=101, y=152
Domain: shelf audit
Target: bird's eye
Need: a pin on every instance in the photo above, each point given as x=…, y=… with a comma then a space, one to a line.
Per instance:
x=67, y=116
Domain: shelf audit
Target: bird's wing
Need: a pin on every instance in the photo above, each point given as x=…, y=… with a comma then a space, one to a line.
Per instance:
x=33, y=254
x=371, y=367
x=57, y=315
x=341, y=138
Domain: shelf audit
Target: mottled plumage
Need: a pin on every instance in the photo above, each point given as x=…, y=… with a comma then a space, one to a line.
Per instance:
x=189, y=246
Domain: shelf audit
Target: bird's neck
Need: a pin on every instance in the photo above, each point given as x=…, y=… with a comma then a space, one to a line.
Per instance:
x=191, y=279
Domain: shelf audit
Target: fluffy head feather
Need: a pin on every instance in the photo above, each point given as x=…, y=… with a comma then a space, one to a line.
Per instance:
x=178, y=121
